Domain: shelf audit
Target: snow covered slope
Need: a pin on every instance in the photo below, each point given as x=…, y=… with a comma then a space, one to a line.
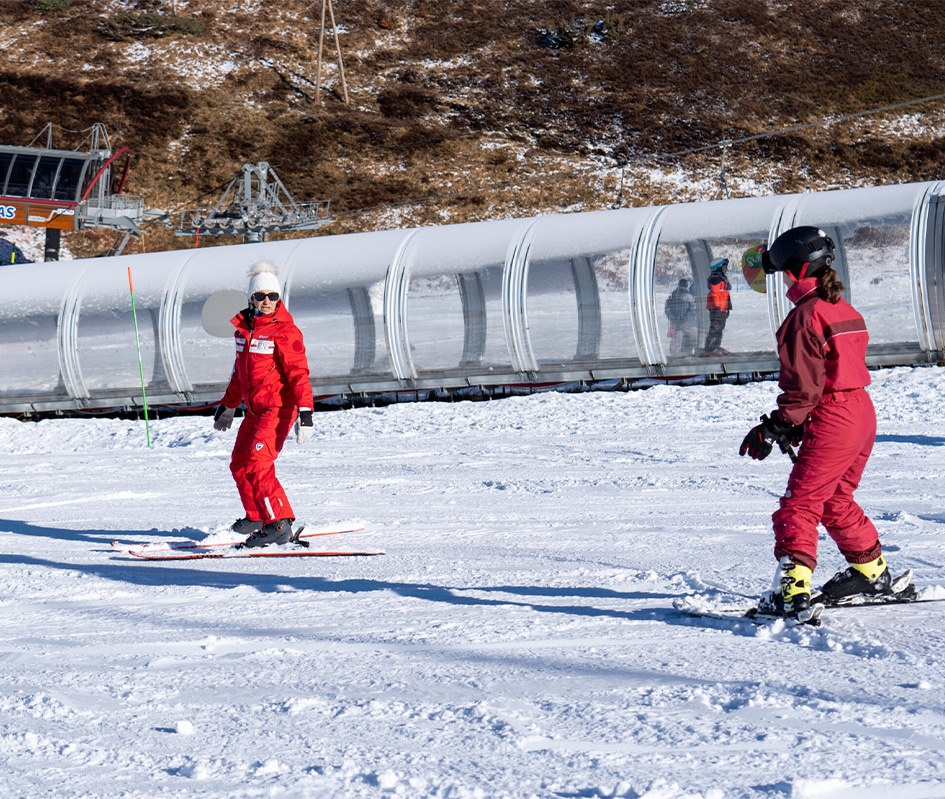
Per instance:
x=518, y=640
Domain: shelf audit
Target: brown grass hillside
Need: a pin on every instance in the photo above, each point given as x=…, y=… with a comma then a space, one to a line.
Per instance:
x=466, y=109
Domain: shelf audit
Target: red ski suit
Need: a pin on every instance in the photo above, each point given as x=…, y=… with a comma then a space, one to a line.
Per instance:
x=822, y=349
x=271, y=378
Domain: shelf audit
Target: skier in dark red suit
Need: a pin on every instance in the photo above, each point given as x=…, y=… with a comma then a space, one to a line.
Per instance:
x=271, y=379
x=823, y=406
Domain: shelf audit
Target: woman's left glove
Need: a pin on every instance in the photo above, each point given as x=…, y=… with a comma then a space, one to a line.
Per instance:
x=760, y=438
x=223, y=418
x=304, y=426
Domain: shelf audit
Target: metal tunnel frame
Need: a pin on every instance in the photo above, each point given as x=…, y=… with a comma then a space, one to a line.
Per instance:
x=549, y=299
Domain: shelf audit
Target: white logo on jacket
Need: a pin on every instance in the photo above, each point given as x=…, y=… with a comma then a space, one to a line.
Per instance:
x=262, y=346
x=257, y=346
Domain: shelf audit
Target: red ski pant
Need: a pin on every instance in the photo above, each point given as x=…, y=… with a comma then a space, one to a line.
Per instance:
x=837, y=443
x=258, y=444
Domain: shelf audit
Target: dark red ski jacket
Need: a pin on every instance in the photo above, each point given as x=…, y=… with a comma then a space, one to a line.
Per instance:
x=822, y=349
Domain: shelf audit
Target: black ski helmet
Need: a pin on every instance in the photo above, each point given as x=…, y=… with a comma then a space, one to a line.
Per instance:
x=684, y=283
x=802, y=251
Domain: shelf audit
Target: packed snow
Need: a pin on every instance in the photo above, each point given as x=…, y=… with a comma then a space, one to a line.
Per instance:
x=518, y=639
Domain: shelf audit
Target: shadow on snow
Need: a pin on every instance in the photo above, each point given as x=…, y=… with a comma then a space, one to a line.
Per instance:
x=196, y=574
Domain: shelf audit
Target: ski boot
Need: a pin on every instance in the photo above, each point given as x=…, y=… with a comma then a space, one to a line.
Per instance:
x=859, y=579
x=246, y=526
x=277, y=532
x=790, y=593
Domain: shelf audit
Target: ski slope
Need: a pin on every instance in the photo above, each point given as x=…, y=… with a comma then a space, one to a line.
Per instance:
x=517, y=640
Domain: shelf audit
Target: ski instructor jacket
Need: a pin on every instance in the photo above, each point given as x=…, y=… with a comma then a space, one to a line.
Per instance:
x=271, y=369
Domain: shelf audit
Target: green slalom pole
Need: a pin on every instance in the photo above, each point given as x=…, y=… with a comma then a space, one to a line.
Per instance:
x=144, y=395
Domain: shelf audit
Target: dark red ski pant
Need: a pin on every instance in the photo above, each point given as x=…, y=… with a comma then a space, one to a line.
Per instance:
x=837, y=443
x=258, y=444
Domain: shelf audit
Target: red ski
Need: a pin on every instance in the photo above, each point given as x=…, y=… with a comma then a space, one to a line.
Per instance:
x=259, y=552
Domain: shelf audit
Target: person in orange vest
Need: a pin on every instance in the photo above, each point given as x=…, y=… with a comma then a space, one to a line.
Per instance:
x=825, y=407
x=271, y=380
x=718, y=302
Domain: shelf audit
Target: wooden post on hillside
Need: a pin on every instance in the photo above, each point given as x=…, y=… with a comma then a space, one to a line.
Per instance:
x=327, y=6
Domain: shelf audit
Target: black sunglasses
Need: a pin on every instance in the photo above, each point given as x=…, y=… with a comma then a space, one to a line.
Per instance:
x=259, y=296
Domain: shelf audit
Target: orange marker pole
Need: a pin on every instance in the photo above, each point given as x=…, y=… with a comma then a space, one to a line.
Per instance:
x=144, y=396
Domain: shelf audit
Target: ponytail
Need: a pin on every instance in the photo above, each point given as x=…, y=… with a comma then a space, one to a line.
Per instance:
x=829, y=286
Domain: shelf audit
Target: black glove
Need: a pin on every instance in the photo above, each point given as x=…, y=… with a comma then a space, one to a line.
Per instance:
x=796, y=435
x=304, y=426
x=760, y=438
x=223, y=417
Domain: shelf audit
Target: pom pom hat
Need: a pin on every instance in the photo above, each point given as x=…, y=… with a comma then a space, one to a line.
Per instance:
x=263, y=276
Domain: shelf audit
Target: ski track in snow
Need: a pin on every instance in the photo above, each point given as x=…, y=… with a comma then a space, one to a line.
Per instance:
x=518, y=640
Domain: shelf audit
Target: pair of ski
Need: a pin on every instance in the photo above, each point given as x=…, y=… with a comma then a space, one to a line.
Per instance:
x=299, y=547
x=902, y=592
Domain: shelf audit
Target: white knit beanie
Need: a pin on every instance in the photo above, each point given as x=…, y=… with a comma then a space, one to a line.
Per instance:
x=263, y=276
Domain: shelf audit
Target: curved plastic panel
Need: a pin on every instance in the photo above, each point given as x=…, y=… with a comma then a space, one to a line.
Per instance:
x=335, y=288
x=642, y=283
x=70, y=369
x=688, y=245
x=30, y=307
x=395, y=315
x=452, y=284
x=872, y=229
x=927, y=257
x=514, y=313
x=577, y=298
x=200, y=361
x=105, y=340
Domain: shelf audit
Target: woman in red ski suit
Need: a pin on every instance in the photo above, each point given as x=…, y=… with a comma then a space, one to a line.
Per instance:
x=823, y=402
x=271, y=379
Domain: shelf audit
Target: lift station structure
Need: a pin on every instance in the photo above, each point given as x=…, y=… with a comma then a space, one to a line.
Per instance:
x=254, y=204
x=61, y=190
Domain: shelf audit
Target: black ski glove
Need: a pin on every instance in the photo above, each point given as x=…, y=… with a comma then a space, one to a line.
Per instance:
x=223, y=417
x=796, y=435
x=760, y=438
x=304, y=426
